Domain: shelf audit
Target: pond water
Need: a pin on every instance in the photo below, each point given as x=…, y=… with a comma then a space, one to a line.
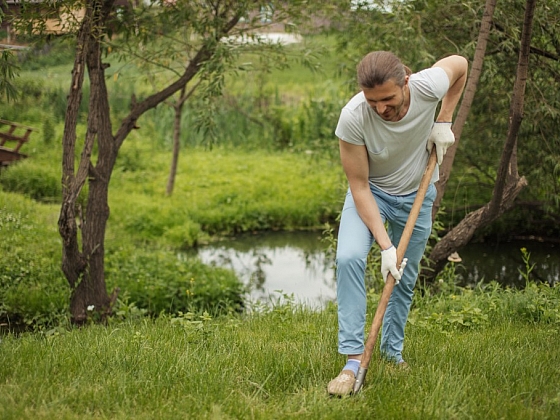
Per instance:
x=296, y=264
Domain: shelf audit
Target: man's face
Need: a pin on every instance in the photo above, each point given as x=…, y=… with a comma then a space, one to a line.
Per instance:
x=388, y=100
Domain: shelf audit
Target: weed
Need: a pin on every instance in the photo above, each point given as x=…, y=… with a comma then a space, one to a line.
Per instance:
x=529, y=267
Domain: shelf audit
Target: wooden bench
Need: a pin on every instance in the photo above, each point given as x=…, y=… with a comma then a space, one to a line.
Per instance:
x=11, y=132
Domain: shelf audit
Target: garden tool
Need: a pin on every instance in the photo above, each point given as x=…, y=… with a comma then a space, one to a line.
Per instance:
x=390, y=283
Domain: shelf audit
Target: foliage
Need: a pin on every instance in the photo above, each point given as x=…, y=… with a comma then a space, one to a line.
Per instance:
x=8, y=72
x=34, y=293
x=41, y=97
x=447, y=307
x=161, y=282
x=251, y=191
x=286, y=191
x=429, y=30
x=8, y=69
x=276, y=111
x=196, y=35
x=50, y=53
x=33, y=179
x=32, y=288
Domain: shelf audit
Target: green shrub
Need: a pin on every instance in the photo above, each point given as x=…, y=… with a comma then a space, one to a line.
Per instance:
x=48, y=131
x=152, y=220
x=184, y=235
x=536, y=303
x=33, y=290
x=34, y=179
x=161, y=282
x=446, y=308
x=54, y=53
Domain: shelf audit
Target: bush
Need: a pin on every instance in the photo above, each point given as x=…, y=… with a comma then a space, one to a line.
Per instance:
x=33, y=291
x=58, y=51
x=153, y=220
x=160, y=282
x=184, y=235
x=33, y=179
x=35, y=294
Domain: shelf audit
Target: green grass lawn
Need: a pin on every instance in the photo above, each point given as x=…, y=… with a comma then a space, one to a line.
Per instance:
x=275, y=365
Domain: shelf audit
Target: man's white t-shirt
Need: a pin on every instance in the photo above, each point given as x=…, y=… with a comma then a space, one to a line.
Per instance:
x=397, y=150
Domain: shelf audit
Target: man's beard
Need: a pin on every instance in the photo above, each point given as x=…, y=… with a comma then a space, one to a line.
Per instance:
x=393, y=113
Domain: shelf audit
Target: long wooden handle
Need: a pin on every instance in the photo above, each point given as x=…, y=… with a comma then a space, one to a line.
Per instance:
x=401, y=249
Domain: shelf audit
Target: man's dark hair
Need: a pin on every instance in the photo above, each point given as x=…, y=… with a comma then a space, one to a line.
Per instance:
x=379, y=67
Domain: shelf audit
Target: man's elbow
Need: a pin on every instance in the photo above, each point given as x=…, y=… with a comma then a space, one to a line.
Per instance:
x=462, y=64
x=454, y=63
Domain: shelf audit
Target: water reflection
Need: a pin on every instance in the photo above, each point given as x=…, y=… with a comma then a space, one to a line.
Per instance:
x=274, y=264
x=504, y=263
x=296, y=263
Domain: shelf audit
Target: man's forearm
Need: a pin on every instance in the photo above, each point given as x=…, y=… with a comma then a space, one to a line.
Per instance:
x=369, y=213
x=450, y=100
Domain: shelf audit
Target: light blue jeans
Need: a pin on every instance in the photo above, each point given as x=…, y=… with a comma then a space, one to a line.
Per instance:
x=354, y=243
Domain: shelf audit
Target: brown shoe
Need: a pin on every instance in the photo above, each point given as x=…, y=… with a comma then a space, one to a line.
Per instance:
x=343, y=384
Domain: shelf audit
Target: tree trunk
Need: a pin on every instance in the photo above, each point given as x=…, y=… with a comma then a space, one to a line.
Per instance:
x=178, y=113
x=81, y=268
x=466, y=102
x=178, y=108
x=461, y=234
x=508, y=183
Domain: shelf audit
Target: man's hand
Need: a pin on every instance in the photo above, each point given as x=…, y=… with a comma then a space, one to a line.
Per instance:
x=442, y=137
x=389, y=265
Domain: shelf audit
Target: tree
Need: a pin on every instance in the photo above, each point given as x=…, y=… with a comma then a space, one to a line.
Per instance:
x=508, y=182
x=466, y=102
x=144, y=30
x=536, y=208
x=178, y=114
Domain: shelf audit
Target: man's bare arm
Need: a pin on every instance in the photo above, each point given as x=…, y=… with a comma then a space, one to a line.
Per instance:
x=355, y=164
x=456, y=68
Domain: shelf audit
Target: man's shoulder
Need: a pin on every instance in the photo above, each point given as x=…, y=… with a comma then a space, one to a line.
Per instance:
x=431, y=73
x=431, y=82
x=355, y=102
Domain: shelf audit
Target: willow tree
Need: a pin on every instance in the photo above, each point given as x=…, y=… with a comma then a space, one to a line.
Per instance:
x=198, y=30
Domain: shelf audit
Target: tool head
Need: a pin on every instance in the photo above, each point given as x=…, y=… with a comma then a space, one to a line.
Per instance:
x=360, y=378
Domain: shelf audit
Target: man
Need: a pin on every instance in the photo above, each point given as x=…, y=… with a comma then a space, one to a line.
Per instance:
x=385, y=135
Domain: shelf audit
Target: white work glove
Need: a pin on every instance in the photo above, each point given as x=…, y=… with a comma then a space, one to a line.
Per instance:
x=442, y=137
x=389, y=264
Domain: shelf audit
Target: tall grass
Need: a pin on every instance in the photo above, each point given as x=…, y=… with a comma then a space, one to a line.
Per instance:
x=225, y=192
